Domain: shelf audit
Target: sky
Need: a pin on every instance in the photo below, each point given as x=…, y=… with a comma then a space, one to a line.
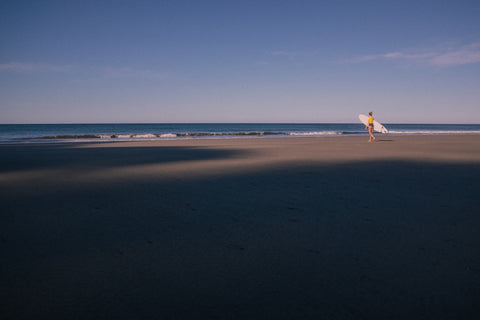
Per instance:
x=131, y=61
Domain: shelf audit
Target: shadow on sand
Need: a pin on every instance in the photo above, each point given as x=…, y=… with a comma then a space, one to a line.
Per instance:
x=19, y=157
x=384, y=240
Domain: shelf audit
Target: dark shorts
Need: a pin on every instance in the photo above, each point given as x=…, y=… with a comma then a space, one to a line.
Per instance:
x=370, y=124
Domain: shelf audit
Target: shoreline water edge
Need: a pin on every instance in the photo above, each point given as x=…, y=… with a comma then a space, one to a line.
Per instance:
x=32, y=133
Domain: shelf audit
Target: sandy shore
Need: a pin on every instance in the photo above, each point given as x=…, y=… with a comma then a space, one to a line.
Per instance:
x=270, y=228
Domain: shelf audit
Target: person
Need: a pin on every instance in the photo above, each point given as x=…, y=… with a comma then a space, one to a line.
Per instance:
x=370, y=126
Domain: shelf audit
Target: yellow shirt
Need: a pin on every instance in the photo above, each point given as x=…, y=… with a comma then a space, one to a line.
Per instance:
x=370, y=120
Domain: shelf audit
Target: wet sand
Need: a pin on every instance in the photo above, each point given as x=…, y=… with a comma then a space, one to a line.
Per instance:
x=268, y=228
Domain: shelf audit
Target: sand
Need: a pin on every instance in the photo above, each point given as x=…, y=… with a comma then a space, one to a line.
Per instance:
x=269, y=228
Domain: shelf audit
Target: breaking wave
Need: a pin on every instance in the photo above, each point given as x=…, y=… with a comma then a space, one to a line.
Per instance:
x=189, y=135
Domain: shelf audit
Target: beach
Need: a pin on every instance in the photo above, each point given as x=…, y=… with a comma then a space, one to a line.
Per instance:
x=244, y=228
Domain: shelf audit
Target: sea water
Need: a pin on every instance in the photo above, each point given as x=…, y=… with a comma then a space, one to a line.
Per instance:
x=156, y=131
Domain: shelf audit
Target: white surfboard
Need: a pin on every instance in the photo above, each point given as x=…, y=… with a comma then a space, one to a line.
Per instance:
x=377, y=126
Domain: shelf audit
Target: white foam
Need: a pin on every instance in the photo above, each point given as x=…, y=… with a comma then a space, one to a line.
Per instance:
x=143, y=135
x=314, y=133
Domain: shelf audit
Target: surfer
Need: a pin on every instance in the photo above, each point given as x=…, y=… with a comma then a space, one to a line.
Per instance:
x=370, y=126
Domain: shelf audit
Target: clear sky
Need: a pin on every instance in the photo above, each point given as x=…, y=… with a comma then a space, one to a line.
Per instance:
x=239, y=61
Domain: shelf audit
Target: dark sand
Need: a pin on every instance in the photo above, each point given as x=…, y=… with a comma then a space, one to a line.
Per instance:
x=273, y=228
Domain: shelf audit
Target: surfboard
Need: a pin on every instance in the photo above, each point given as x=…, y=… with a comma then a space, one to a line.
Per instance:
x=377, y=126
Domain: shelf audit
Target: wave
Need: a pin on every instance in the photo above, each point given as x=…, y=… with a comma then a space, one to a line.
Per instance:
x=73, y=136
x=192, y=135
x=315, y=133
x=153, y=135
x=186, y=135
x=216, y=134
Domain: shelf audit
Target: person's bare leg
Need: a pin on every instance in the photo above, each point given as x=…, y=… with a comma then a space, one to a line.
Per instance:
x=370, y=131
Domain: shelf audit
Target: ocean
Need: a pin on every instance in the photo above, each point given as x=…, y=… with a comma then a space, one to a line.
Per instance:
x=37, y=133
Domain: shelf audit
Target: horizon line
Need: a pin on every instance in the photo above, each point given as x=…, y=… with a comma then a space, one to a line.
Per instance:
x=227, y=122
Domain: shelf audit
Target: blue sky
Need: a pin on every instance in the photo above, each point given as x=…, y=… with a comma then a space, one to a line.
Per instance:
x=239, y=61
